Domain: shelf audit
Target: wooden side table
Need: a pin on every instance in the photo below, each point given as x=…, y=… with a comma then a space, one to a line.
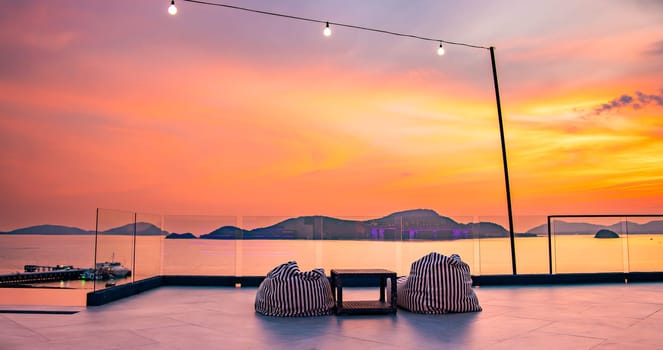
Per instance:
x=360, y=307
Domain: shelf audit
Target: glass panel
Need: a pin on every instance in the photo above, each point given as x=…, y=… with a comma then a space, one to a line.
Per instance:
x=494, y=245
x=149, y=241
x=588, y=244
x=355, y=242
x=114, y=248
x=443, y=235
x=531, y=244
x=273, y=240
x=200, y=245
x=645, y=243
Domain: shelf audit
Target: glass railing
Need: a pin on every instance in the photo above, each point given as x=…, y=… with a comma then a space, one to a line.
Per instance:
x=114, y=248
x=378, y=244
x=421, y=238
x=494, y=246
x=531, y=244
x=129, y=247
x=644, y=243
x=606, y=243
x=201, y=245
x=149, y=239
x=267, y=242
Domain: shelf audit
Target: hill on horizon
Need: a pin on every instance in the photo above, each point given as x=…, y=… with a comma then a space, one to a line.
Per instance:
x=582, y=228
x=49, y=230
x=142, y=228
x=419, y=224
x=415, y=224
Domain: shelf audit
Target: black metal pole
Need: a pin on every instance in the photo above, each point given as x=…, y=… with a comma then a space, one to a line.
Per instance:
x=96, y=240
x=550, y=269
x=133, y=260
x=506, y=167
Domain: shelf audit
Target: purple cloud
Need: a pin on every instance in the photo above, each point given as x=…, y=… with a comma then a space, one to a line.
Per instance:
x=656, y=48
x=647, y=99
x=626, y=99
x=639, y=101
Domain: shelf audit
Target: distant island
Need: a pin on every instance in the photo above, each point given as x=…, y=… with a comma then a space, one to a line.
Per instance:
x=416, y=224
x=142, y=228
x=187, y=235
x=606, y=234
x=49, y=230
x=561, y=227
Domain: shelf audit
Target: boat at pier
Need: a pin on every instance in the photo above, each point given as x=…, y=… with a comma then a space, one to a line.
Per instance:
x=108, y=270
x=111, y=270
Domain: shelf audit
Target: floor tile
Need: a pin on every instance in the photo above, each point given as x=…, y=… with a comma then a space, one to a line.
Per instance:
x=605, y=316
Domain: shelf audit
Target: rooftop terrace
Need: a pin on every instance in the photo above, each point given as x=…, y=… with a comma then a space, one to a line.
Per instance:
x=596, y=316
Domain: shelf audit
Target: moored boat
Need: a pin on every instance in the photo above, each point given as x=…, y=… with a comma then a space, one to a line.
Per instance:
x=112, y=269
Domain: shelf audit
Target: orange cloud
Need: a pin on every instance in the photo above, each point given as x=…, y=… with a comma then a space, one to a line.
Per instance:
x=190, y=122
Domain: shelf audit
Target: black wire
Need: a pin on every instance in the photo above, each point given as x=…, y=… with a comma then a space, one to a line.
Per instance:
x=335, y=24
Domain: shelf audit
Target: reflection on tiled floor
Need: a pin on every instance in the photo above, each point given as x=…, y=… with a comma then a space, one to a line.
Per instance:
x=600, y=316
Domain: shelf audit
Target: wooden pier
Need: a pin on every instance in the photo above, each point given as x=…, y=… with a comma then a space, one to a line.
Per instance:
x=40, y=276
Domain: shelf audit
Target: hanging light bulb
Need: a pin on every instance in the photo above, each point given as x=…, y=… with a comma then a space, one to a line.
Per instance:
x=327, y=30
x=440, y=50
x=172, y=9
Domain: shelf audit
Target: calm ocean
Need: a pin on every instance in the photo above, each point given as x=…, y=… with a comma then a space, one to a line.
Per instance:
x=155, y=256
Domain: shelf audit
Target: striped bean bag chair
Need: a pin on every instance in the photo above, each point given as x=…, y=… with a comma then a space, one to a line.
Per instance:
x=437, y=284
x=286, y=291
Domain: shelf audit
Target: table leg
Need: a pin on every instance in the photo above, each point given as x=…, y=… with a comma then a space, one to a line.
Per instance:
x=339, y=299
x=393, y=293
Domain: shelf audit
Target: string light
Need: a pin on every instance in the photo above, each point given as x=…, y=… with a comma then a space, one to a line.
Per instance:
x=440, y=50
x=327, y=30
x=172, y=9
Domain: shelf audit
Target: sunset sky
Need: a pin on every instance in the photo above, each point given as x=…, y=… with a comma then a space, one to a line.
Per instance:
x=117, y=104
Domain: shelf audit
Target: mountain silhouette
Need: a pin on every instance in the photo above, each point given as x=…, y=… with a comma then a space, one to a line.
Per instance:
x=225, y=232
x=561, y=227
x=49, y=230
x=187, y=235
x=417, y=224
x=655, y=226
x=142, y=229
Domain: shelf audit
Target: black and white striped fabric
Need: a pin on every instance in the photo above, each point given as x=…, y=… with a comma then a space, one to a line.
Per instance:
x=437, y=284
x=286, y=291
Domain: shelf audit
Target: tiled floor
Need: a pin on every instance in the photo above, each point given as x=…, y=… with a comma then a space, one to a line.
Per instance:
x=600, y=316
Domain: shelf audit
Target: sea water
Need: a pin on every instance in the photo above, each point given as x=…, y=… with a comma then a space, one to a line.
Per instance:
x=154, y=255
